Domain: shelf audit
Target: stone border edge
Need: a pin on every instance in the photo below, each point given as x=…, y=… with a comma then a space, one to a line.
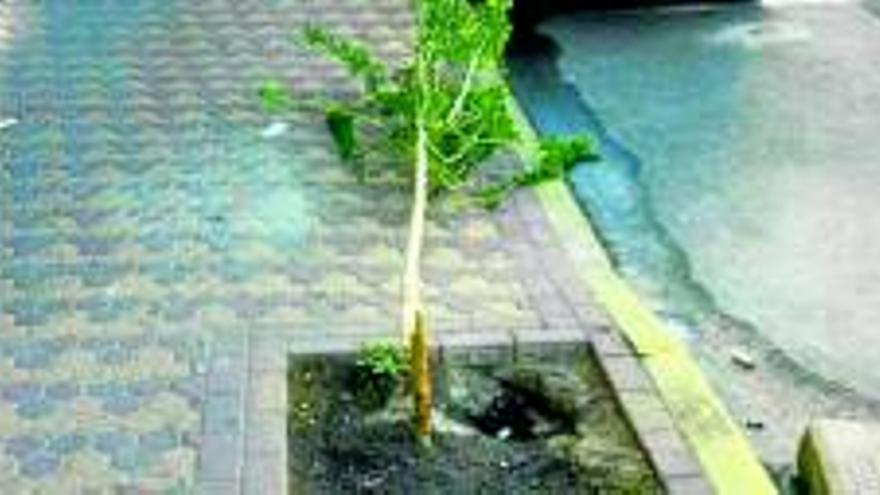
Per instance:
x=649, y=419
x=724, y=453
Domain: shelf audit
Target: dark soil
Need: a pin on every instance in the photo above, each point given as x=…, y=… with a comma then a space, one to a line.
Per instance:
x=498, y=433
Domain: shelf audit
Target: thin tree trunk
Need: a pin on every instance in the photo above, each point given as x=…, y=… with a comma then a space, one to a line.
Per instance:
x=421, y=381
x=412, y=278
x=415, y=328
x=413, y=317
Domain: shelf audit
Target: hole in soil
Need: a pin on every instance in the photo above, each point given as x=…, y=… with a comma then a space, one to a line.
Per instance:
x=518, y=413
x=542, y=423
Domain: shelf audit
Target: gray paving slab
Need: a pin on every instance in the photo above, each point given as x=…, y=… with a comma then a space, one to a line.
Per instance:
x=160, y=257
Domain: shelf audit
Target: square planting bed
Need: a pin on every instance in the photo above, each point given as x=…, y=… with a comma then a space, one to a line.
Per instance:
x=537, y=419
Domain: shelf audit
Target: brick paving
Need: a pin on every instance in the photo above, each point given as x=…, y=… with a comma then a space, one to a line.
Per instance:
x=159, y=255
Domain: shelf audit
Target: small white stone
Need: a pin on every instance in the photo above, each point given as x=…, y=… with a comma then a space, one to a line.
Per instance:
x=374, y=481
x=274, y=129
x=742, y=359
x=504, y=433
x=7, y=123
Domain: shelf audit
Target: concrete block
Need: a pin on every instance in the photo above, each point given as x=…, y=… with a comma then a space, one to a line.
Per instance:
x=841, y=457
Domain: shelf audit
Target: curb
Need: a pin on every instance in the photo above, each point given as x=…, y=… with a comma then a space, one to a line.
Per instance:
x=649, y=420
x=840, y=457
x=724, y=454
x=643, y=408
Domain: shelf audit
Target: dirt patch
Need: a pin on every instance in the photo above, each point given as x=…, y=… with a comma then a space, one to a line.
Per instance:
x=515, y=426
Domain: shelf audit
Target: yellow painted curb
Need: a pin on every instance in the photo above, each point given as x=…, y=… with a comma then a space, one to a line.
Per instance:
x=727, y=458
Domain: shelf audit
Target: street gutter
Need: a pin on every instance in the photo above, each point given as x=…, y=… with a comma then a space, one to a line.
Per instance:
x=722, y=449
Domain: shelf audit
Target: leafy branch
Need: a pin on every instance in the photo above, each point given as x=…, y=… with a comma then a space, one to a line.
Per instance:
x=432, y=122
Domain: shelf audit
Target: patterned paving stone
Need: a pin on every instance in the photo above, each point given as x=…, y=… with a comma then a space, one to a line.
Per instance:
x=149, y=231
x=137, y=199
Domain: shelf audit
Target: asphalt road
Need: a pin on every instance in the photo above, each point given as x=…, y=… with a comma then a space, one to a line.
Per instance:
x=756, y=132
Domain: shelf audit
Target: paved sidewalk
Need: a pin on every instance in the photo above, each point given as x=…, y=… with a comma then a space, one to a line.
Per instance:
x=159, y=255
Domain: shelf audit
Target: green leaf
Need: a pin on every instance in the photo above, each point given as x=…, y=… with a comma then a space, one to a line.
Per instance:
x=382, y=358
x=356, y=58
x=491, y=197
x=274, y=96
x=462, y=101
x=342, y=127
x=559, y=154
x=556, y=157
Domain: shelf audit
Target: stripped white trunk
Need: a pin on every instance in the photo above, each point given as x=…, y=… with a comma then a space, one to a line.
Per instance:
x=412, y=276
x=412, y=279
x=415, y=331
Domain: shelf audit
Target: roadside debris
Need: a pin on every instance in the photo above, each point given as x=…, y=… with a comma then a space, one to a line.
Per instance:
x=742, y=359
x=7, y=123
x=504, y=433
x=274, y=130
x=755, y=424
